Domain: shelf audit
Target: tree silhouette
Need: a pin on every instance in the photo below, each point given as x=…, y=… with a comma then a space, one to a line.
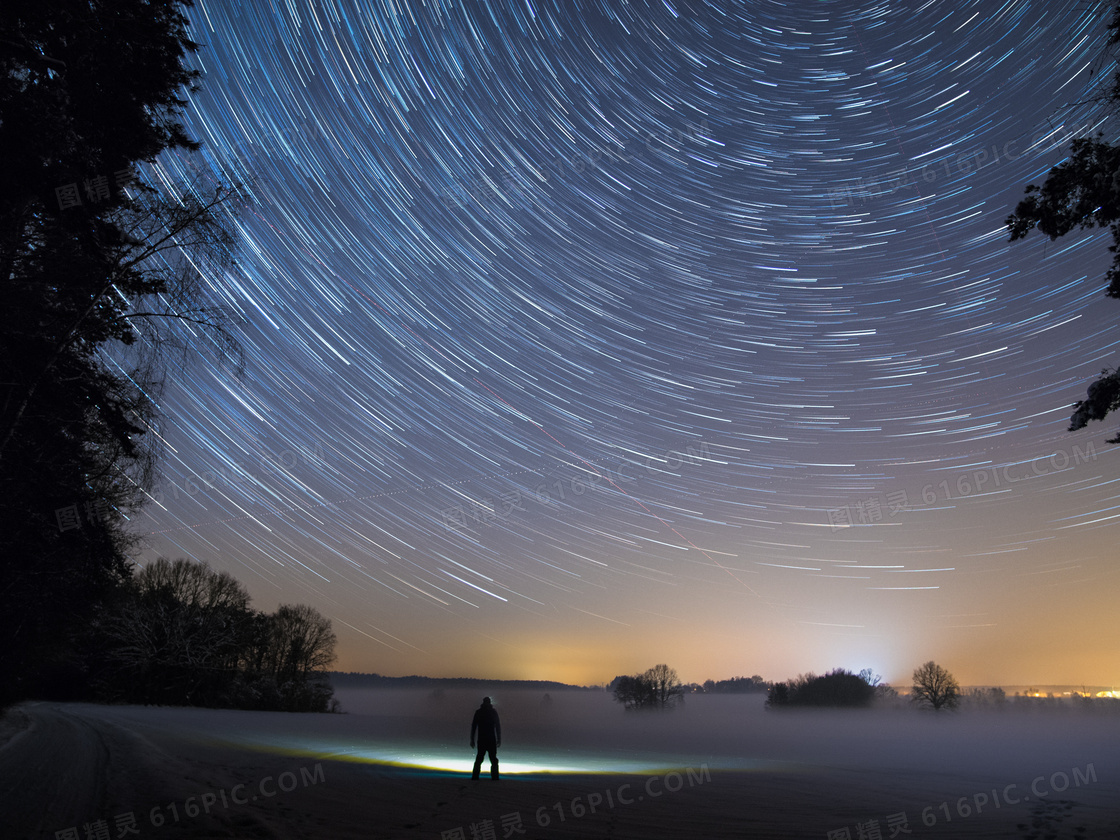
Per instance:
x=184, y=634
x=93, y=264
x=1083, y=192
x=934, y=687
x=736, y=685
x=178, y=636
x=838, y=687
x=665, y=686
x=657, y=688
x=302, y=650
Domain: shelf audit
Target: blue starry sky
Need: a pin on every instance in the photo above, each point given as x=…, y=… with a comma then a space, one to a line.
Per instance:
x=586, y=335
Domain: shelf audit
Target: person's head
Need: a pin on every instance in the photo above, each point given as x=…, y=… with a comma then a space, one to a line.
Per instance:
x=485, y=701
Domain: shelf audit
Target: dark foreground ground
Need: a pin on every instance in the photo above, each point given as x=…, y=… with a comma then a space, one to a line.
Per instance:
x=76, y=771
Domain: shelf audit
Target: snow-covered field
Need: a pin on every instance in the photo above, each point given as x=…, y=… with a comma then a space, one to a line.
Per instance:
x=396, y=765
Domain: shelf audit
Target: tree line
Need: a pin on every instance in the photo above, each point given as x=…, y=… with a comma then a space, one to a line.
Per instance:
x=656, y=688
x=100, y=271
x=661, y=688
x=933, y=687
x=181, y=633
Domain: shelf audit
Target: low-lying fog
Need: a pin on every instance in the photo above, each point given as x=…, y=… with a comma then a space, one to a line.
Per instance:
x=738, y=731
x=734, y=769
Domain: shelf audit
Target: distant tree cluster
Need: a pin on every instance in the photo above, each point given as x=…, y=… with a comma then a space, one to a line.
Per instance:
x=1078, y=701
x=933, y=688
x=984, y=698
x=657, y=688
x=183, y=634
x=836, y=688
x=736, y=685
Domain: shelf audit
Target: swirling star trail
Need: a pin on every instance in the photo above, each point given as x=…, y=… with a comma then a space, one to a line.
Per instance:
x=585, y=335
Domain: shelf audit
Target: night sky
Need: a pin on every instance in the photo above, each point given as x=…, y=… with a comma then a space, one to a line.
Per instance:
x=587, y=335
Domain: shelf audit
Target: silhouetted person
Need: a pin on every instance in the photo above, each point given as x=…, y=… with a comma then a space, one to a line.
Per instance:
x=489, y=730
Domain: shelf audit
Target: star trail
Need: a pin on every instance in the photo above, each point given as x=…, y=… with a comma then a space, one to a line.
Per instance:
x=585, y=335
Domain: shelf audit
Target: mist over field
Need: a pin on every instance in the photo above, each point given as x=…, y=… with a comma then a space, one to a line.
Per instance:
x=737, y=731
x=396, y=764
